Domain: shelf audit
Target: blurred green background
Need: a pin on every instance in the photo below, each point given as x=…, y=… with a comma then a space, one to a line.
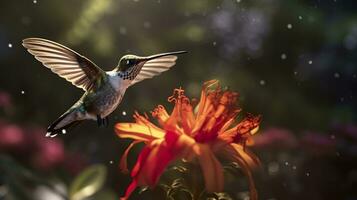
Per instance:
x=293, y=61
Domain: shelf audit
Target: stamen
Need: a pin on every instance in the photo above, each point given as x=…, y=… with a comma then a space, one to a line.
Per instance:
x=178, y=93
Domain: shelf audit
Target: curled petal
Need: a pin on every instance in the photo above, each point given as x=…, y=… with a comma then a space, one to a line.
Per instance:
x=211, y=168
x=123, y=161
x=138, y=131
x=246, y=160
x=253, y=192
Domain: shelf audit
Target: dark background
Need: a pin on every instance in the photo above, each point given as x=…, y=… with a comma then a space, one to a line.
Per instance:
x=293, y=61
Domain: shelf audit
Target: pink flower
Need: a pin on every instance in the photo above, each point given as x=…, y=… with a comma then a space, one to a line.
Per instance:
x=5, y=100
x=11, y=137
x=318, y=143
x=49, y=152
x=275, y=137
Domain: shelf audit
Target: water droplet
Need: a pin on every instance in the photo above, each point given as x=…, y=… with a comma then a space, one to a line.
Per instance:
x=238, y=1
x=122, y=30
x=273, y=168
x=111, y=162
x=295, y=73
x=336, y=75
x=22, y=92
x=123, y=113
x=283, y=56
x=294, y=167
x=289, y=26
x=300, y=17
x=214, y=43
x=310, y=62
x=147, y=24
x=307, y=174
x=9, y=45
x=286, y=163
x=64, y=131
x=262, y=82
x=34, y=1
x=333, y=137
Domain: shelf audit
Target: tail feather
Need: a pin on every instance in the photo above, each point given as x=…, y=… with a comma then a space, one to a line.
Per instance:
x=62, y=124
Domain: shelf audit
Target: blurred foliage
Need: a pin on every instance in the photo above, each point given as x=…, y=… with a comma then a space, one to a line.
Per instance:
x=87, y=182
x=302, y=79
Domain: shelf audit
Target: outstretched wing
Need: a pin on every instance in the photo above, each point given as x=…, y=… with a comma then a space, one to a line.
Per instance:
x=65, y=62
x=155, y=67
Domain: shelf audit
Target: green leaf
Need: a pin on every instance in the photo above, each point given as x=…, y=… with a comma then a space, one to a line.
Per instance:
x=223, y=196
x=88, y=182
x=105, y=194
x=143, y=189
x=177, y=183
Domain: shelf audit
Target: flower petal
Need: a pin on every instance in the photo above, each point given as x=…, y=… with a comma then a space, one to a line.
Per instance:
x=204, y=107
x=181, y=144
x=238, y=151
x=244, y=129
x=187, y=117
x=140, y=161
x=246, y=160
x=159, y=158
x=138, y=131
x=161, y=115
x=135, y=171
x=129, y=190
x=211, y=168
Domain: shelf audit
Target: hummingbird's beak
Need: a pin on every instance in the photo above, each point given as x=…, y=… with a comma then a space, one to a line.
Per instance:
x=164, y=54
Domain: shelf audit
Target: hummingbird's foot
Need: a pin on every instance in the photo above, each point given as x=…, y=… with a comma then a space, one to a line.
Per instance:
x=106, y=121
x=102, y=121
x=99, y=121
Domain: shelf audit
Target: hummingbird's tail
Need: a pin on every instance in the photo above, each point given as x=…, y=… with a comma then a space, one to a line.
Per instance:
x=62, y=124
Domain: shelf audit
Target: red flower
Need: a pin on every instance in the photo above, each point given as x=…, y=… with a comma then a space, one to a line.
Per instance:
x=188, y=133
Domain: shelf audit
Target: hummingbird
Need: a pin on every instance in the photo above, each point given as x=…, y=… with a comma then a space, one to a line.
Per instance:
x=103, y=90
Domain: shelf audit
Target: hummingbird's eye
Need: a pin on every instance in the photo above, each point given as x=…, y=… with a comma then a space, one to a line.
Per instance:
x=130, y=62
x=126, y=63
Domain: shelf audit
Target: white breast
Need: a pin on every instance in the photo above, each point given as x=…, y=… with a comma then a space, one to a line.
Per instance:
x=119, y=84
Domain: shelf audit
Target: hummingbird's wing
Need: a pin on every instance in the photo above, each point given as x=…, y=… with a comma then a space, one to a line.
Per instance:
x=155, y=67
x=68, y=64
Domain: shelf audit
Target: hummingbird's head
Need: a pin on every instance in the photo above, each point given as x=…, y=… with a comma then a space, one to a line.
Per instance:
x=127, y=62
x=130, y=65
